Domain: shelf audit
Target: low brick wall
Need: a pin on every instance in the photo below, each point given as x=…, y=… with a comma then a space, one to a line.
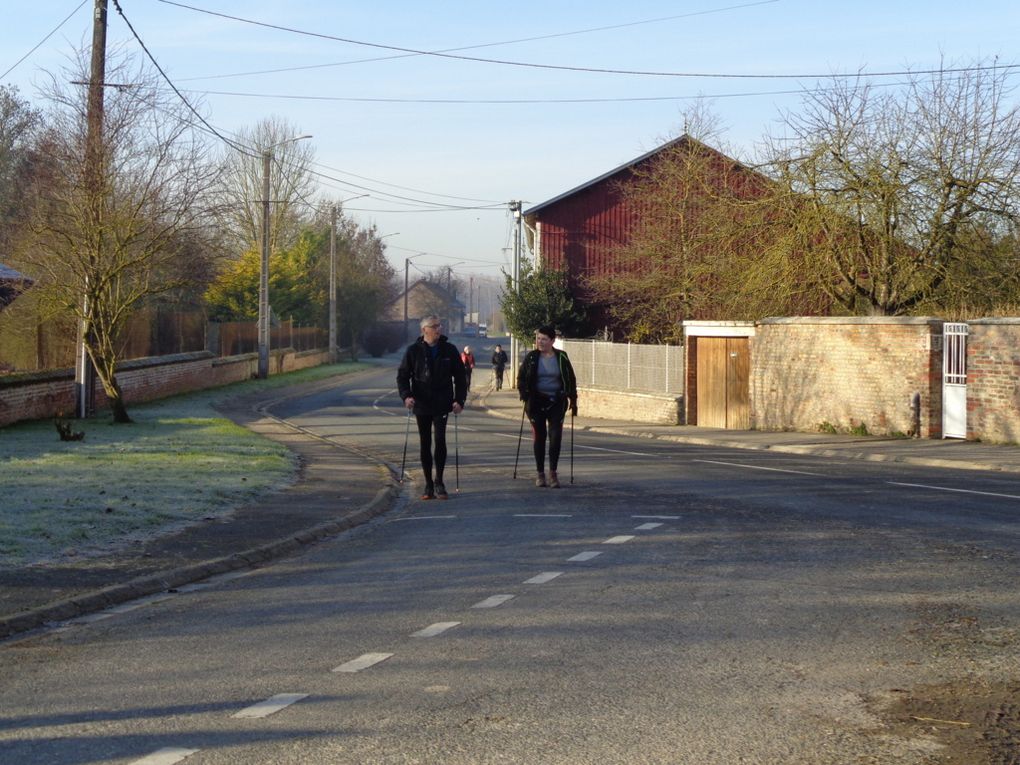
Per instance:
x=993, y=380
x=848, y=372
x=41, y=395
x=658, y=409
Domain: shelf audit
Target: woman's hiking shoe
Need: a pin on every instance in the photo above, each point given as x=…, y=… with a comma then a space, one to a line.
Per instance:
x=540, y=479
x=429, y=493
x=554, y=482
x=441, y=491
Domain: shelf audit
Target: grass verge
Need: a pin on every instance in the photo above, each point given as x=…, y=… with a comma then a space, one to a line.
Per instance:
x=180, y=462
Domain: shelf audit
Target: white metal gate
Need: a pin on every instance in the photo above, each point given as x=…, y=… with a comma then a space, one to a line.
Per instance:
x=954, y=380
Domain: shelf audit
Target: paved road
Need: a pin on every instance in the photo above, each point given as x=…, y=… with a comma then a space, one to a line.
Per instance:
x=677, y=604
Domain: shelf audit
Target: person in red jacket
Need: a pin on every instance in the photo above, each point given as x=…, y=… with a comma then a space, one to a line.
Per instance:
x=467, y=358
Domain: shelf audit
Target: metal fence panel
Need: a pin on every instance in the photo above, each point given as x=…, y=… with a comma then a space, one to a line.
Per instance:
x=627, y=366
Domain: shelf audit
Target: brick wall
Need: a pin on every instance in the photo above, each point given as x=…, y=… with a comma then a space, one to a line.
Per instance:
x=848, y=372
x=993, y=380
x=34, y=396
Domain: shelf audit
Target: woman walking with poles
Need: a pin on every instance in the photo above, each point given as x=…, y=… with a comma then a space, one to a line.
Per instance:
x=431, y=384
x=547, y=387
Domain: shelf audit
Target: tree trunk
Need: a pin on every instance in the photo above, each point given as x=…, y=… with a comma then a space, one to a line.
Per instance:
x=114, y=395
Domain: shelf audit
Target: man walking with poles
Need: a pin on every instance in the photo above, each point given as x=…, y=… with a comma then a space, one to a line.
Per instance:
x=431, y=383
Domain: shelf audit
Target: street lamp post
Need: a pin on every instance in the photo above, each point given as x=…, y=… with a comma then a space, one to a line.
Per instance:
x=267, y=158
x=407, y=270
x=333, y=277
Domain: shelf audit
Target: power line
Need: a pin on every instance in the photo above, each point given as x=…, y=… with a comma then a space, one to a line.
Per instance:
x=594, y=70
x=47, y=37
x=487, y=45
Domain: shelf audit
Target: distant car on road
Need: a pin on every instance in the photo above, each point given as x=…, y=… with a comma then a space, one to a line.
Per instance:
x=483, y=330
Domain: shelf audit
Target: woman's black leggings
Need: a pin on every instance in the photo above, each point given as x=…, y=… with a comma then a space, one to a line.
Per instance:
x=547, y=422
x=426, y=424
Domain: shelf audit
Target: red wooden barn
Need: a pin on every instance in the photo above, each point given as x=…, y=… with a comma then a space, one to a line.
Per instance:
x=580, y=229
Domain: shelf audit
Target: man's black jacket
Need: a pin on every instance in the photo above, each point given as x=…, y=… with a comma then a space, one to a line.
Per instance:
x=435, y=385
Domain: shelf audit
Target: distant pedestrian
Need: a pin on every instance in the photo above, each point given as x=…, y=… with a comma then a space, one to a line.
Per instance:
x=467, y=358
x=431, y=383
x=499, y=361
x=547, y=387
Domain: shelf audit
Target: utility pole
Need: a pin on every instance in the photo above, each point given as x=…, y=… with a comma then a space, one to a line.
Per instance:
x=332, y=286
x=264, y=336
x=515, y=342
x=84, y=371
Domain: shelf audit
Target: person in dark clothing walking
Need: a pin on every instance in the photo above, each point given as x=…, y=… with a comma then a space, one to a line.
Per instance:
x=547, y=387
x=431, y=383
x=499, y=360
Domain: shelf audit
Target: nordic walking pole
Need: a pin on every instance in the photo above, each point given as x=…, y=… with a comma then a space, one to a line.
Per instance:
x=519, y=437
x=571, y=447
x=456, y=450
x=403, y=460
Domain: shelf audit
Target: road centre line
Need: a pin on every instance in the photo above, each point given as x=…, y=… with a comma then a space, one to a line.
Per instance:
x=543, y=515
x=435, y=629
x=168, y=755
x=493, y=601
x=364, y=661
x=656, y=517
x=758, y=467
x=616, y=451
x=647, y=526
x=546, y=576
x=582, y=557
x=958, y=491
x=272, y=705
x=619, y=540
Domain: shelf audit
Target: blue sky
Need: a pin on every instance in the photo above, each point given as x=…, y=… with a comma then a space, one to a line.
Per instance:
x=467, y=153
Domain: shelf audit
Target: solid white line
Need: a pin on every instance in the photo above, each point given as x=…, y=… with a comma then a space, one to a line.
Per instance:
x=582, y=557
x=270, y=706
x=542, y=578
x=436, y=629
x=493, y=601
x=166, y=756
x=618, y=540
x=647, y=526
x=959, y=491
x=617, y=451
x=542, y=515
x=758, y=467
x=425, y=518
x=657, y=517
x=363, y=662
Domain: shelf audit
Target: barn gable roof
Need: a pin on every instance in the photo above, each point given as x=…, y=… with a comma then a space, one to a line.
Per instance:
x=594, y=181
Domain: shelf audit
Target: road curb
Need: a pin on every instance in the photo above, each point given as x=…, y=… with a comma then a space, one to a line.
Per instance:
x=151, y=584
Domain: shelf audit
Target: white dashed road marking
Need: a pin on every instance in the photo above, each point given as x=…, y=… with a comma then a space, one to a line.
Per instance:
x=493, y=601
x=544, y=577
x=270, y=706
x=425, y=518
x=363, y=662
x=166, y=756
x=647, y=526
x=656, y=517
x=542, y=515
x=435, y=629
x=618, y=540
x=582, y=557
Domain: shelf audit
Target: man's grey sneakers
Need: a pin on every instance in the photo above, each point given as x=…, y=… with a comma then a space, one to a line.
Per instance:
x=554, y=482
x=540, y=479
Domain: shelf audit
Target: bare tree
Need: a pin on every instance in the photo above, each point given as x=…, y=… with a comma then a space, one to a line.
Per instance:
x=291, y=185
x=101, y=249
x=899, y=196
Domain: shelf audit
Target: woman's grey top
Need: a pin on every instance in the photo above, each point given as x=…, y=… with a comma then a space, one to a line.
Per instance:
x=549, y=383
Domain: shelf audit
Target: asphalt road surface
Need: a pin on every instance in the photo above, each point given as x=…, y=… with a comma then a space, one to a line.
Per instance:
x=676, y=604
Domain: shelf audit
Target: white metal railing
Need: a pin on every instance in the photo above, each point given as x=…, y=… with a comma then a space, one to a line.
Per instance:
x=627, y=366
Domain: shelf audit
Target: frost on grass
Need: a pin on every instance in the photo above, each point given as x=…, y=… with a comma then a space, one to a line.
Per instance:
x=179, y=463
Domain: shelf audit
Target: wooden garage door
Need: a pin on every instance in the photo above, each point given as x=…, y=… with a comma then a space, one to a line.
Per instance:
x=723, y=383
